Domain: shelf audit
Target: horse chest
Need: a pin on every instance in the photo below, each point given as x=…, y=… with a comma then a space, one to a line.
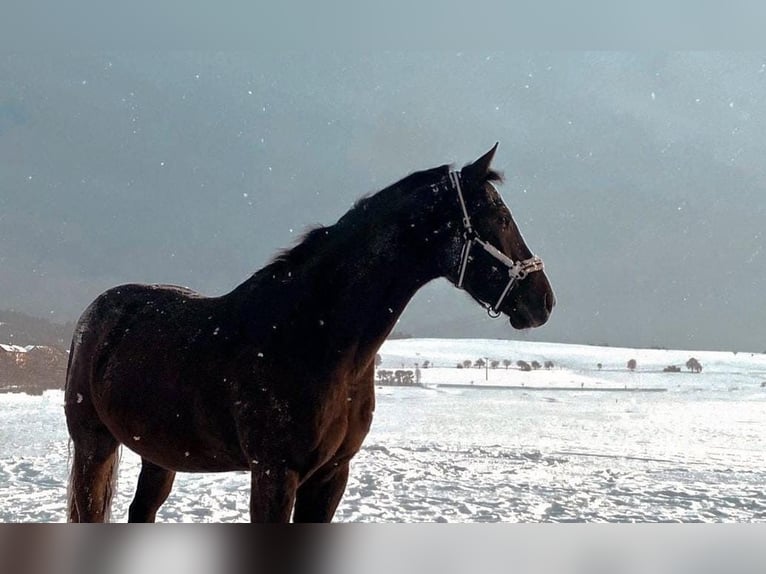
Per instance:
x=345, y=423
x=314, y=425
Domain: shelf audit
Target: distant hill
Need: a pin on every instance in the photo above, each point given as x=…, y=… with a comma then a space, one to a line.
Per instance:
x=20, y=329
x=32, y=369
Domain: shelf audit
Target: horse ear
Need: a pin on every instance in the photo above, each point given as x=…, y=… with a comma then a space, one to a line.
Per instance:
x=480, y=168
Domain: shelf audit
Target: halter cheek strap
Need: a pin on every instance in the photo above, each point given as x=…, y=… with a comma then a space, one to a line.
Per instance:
x=517, y=270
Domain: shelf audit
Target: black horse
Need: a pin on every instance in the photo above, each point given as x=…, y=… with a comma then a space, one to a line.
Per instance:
x=276, y=377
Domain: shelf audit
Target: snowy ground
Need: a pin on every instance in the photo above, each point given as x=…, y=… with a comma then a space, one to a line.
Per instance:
x=574, y=365
x=693, y=453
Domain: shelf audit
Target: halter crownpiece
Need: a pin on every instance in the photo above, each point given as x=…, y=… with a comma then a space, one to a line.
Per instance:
x=517, y=270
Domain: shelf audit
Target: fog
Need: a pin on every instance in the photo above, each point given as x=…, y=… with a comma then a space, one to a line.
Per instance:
x=637, y=177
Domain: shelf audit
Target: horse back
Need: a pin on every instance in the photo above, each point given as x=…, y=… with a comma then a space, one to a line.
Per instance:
x=113, y=314
x=148, y=358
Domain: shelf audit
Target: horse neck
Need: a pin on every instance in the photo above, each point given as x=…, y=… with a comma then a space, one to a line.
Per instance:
x=347, y=297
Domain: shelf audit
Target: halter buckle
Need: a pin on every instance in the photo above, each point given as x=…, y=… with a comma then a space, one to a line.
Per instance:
x=492, y=312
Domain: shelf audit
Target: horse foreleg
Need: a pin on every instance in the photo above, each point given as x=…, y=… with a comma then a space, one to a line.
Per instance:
x=154, y=485
x=272, y=494
x=319, y=496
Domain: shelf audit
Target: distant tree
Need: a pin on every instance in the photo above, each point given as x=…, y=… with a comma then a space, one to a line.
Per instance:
x=507, y=363
x=459, y=365
x=426, y=364
x=694, y=365
x=672, y=369
x=632, y=364
x=479, y=363
x=536, y=365
x=467, y=364
x=494, y=364
x=599, y=365
x=399, y=378
x=404, y=377
x=524, y=366
x=549, y=364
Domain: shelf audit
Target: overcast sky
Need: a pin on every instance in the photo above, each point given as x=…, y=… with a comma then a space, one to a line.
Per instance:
x=638, y=177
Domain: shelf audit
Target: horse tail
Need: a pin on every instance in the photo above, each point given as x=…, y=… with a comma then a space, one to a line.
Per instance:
x=93, y=467
x=110, y=488
x=111, y=483
x=71, y=507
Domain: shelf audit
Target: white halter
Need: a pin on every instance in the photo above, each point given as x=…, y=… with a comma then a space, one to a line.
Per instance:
x=517, y=270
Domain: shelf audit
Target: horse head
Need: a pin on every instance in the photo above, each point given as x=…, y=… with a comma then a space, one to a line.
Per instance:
x=490, y=259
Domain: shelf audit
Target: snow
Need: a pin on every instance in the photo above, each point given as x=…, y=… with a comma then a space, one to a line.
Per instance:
x=13, y=348
x=693, y=453
x=575, y=366
x=577, y=358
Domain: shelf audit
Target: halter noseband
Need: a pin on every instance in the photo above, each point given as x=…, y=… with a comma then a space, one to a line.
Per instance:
x=517, y=270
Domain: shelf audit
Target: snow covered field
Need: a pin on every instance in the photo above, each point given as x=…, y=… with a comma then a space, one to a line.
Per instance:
x=693, y=453
x=575, y=366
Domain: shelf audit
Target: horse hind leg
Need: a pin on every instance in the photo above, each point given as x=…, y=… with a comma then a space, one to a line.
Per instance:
x=154, y=486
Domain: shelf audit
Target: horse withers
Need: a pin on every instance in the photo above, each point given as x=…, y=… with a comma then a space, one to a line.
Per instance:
x=276, y=377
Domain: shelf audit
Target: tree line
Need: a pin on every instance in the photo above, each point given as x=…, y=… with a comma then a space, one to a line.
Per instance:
x=692, y=365
x=507, y=363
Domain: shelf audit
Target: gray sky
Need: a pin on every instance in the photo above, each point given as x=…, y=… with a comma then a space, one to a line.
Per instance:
x=638, y=177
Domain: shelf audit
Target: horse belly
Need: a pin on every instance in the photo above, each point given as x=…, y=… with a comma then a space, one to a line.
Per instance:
x=179, y=431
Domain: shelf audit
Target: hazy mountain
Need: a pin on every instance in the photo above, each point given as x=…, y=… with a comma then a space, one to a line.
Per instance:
x=21, y=329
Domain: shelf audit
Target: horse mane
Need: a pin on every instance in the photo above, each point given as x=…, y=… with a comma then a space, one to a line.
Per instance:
x=397, y=191
x=371, y=206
